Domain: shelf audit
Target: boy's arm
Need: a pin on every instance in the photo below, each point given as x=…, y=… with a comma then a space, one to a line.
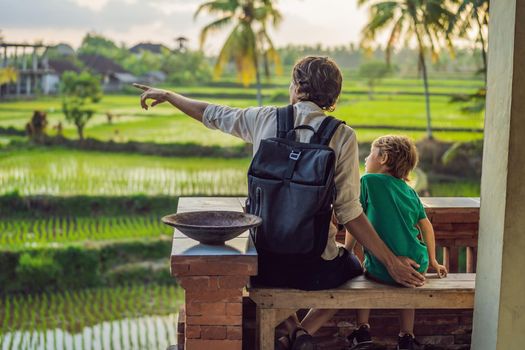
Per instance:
x=402, y=269
x=428, y=236
x=190, y=107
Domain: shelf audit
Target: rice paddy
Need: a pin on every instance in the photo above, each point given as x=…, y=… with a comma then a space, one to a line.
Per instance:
x=127, y=317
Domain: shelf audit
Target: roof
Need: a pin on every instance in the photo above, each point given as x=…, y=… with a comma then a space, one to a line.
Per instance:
x=126, y=77
x=155, y=48
x=63, y=49
x=101, y=64
x=61, y=66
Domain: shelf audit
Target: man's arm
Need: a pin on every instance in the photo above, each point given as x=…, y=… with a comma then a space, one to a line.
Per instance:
x=193, y=108
x=400, y=268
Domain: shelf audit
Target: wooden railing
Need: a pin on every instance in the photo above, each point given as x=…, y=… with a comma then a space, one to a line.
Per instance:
x=217, y=315
x=455, y=221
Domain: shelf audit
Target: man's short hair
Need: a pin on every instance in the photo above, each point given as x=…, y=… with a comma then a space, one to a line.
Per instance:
x=319, y=80
x=401, y=154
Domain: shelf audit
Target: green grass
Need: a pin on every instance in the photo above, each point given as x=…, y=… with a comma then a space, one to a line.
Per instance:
x=461, y=188
x=123, y=317
x=164, y=124
x=60, y=172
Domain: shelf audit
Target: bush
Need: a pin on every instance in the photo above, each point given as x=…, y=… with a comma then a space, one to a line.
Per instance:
x=80, y=267
x=74, y=267
x=8, y=263
x=13, y=205
x=138, y=274
x=37, y=272
x=134, y=251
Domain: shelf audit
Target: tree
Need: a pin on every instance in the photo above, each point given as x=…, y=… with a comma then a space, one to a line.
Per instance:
x=373, y=72
x=473, y=16
x=36, y=127
x=426, y=21
x=248, y=41
x=78, y=92
x=141, y=64
x=96, y=44
x=186, y=67
x=8, y=75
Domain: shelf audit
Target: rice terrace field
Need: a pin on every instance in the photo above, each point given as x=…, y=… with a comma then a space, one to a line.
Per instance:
x=104, y=205
x=99, y=318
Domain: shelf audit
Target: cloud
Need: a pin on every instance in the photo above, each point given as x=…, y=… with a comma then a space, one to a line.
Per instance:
x=99, y=15
x=94, y=5
x=305, y=21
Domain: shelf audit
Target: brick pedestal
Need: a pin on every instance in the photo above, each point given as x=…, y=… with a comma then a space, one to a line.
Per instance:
x=213, y=278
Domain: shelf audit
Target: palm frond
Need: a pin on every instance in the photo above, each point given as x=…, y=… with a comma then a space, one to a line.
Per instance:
x=217, y=7
x=271, y=53
x=240, y=47
x=225, y=54
x=215, y=25
x=381, y=14
x=393, y=38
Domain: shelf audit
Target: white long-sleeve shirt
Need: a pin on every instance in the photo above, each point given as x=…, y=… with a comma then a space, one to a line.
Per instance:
x=257, y=123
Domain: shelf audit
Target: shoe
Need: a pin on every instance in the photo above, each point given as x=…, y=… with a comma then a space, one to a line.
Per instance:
x=359, y=337
x=407, y=342
x=302, y=342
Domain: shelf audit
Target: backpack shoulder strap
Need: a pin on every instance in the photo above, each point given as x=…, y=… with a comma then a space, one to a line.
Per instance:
x=285, y=120
x=327, y=129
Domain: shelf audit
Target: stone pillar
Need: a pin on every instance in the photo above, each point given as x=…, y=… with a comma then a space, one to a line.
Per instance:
x=499, y=312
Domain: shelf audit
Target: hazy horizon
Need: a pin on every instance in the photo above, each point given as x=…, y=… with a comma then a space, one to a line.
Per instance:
x=330, y=22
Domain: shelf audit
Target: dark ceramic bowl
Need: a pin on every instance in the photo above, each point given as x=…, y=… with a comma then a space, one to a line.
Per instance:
x=212, y=227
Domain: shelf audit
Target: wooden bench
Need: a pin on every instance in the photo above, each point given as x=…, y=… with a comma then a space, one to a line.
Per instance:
x=274, y=305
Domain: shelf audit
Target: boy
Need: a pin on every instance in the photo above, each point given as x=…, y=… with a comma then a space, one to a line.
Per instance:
x=395, y=211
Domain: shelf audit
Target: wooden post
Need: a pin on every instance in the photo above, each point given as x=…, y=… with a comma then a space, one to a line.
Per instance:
x=499, y=312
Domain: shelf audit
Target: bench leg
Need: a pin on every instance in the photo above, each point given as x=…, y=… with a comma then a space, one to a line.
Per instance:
x=282, y=314
x=265, y=328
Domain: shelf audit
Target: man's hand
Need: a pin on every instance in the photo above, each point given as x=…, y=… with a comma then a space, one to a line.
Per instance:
x=403, y=271
x=158, y=95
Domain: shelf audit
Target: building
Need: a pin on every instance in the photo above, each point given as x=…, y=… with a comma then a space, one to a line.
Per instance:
x=113, y=76
x=153, y=48
x=50, y=82
x=30, y=62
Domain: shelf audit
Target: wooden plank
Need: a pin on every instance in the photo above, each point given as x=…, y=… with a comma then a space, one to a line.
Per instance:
x=450, y=202
x=451, y=258
x=209, y=203
x=359, y=299
x=265, y=329
x=455, y=291
x=472, y=253
x=282, y=314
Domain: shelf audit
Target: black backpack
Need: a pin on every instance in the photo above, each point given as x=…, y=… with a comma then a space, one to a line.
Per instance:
x=291, y=186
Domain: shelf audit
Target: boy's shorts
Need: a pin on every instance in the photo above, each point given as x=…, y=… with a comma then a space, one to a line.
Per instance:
x=312, y=275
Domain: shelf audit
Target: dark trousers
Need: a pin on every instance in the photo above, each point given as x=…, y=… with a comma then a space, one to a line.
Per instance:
x=313, y=274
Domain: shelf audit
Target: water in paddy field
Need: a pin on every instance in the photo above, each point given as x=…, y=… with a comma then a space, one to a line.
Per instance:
x=117, y=318
x=148, y=332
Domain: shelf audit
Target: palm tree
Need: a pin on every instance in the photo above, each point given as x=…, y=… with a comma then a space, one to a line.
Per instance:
x=473, y=15
x=248, y=41
x=425, y=21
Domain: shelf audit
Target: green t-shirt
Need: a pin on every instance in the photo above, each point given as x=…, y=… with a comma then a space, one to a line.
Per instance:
x=394, y=209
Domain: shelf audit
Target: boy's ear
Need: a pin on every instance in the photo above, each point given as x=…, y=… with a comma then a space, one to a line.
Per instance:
x=384, y=159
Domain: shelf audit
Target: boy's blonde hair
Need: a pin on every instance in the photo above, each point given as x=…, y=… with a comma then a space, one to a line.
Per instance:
x=401, y=154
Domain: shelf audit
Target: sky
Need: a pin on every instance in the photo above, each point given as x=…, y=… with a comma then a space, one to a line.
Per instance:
x=329, y=22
